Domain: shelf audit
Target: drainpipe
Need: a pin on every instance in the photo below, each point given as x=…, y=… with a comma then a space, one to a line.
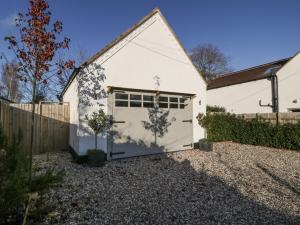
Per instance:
x=275, y=96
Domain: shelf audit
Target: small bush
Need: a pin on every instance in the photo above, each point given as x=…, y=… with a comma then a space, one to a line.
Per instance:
x=41, y=183
x=13, y=182
x=96, y=157
x=230, y=127
x=215, y=108
x=14, y=185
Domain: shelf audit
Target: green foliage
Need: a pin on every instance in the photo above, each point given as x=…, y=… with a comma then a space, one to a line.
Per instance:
x=215, y=108
x=14, y=185
x=14, y=177
x=41, y=183
x=98, y=121
x=229, y=127
x=96, y=157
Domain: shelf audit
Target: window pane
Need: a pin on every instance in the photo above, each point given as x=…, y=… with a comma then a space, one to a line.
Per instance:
x=173, y=105
x=172, y=99
x=182, y=106
x=135, y=104
x=163, y=99
x=121, y=96
x=148, y=98
x=148, y=104
x=163, y=105
x=122, y=103
x=135, y=97
x=182, y=100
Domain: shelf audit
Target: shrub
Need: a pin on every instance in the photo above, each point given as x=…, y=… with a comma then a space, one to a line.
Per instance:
x=96, y=157
x=14, y=185
x=230, y=127
x=98, y=122
x=14, y=177
x=215, y=108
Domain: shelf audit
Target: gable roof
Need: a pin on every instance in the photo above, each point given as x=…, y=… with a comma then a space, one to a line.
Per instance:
x=120, y=38
x=246, y=75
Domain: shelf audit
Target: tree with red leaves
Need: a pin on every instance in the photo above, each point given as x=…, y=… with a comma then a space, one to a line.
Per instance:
x=35, y=49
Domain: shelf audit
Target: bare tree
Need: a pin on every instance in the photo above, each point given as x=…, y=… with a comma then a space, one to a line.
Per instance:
x=65, y=75
x=210, y=61
x=10, y=79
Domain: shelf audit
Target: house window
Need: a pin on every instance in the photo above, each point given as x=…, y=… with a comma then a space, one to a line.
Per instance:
x=173, y=103
x=121, y=100
x=135, y=100
x=182, y=103
x=148, y=101
x=163, y=102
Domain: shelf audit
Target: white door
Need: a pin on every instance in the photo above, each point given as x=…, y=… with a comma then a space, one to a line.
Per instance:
x=144, y=123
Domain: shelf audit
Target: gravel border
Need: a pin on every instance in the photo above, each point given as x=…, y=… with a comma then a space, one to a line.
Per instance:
x=233, y=184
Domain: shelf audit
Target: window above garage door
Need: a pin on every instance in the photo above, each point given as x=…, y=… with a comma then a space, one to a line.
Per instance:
x=147, y=100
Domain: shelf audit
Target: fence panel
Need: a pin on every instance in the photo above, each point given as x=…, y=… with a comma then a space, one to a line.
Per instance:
x=51, y=125
x=289, y=117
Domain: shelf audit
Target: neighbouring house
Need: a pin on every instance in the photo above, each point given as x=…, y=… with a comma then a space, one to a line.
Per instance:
x=253, y=90
x=145, y=64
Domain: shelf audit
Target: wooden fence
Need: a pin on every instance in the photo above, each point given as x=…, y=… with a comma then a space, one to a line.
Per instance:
x=289, y=117
x=51, y=127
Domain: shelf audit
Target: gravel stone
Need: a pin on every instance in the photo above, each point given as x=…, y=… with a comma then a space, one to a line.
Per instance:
x=233, y=184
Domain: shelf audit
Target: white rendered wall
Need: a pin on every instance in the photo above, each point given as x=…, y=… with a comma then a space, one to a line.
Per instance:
x=71, y=96
x=151, y=50
x=242, y=98
x=289, y=85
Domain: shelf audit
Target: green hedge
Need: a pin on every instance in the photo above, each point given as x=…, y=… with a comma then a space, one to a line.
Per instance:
x=215, y=108
x=229, y=127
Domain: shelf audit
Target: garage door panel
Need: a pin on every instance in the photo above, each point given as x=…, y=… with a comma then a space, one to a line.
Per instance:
x=179, y=135
x=133, y=134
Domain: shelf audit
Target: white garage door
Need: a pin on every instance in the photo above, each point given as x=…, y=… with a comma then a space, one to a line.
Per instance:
x=145, y=123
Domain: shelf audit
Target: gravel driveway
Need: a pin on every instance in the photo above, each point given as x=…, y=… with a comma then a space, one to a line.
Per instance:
x=233, y=184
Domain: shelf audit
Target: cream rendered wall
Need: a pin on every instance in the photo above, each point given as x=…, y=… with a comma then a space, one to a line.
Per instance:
x=71, y=96
x=289, y=84
x=151, y=50
x=242, y=98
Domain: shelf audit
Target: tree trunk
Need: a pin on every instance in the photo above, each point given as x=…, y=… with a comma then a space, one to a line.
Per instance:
x=96, y=141
x=32, y=131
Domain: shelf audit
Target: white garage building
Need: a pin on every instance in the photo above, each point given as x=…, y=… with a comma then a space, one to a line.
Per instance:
x=145, y=64
x=251, y=90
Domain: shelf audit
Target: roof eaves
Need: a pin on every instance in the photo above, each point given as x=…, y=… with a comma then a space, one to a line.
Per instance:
x=255, y=67
x=227, y=85
x=210, y=86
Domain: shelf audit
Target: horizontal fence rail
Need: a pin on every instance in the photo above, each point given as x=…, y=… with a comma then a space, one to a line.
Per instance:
x=51, y=125
x=283, y=118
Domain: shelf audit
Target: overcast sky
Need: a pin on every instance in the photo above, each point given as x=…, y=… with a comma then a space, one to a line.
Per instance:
x=250, y=32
